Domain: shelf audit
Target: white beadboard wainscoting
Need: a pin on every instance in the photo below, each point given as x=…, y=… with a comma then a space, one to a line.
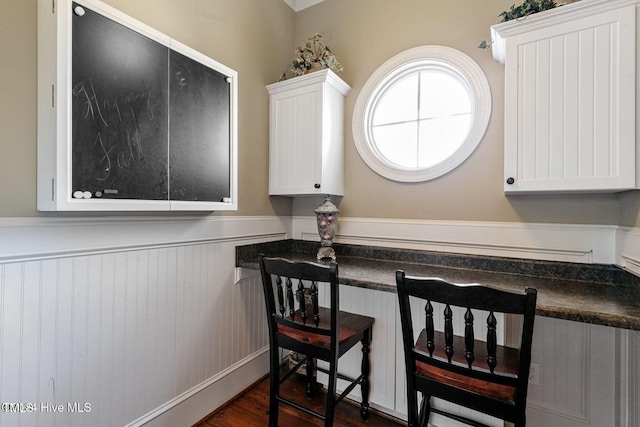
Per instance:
x=145, y=320
x=137, y=318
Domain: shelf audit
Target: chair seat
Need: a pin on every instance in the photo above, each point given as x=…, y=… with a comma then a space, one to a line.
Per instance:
x=507, y=363
x=352, y=326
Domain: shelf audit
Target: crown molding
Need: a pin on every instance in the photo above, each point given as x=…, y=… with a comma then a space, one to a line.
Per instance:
x=556, y=16
x=298, y=5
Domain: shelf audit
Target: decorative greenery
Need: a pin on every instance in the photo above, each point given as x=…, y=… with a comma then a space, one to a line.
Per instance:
x=528, y=7
x=313, y=56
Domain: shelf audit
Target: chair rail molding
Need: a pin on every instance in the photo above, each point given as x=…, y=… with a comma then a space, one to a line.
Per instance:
x=553, y=242
x=25, y=239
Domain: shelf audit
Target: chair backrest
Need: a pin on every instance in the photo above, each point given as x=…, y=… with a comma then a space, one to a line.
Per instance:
x=461, y=355
x=292, y=300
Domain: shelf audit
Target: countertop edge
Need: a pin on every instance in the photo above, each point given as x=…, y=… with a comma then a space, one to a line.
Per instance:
x=613, y=295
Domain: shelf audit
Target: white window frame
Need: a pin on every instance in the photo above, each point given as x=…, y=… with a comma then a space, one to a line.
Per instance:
x=464, y=66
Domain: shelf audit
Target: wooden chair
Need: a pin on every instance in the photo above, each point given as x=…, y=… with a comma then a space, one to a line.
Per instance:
x=313, y=331
x=482, y=376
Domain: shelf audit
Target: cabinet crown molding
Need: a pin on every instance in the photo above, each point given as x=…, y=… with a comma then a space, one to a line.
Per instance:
x=559, y=15
x=322, y=76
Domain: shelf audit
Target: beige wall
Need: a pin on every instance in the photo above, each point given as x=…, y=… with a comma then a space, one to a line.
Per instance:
x=364, y=34
x=630, y=209
x=256, y=38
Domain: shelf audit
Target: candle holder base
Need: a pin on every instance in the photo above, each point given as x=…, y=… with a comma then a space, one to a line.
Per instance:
x=326, y=252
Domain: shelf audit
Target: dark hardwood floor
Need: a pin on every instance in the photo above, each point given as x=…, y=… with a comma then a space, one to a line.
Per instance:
x=251, y=409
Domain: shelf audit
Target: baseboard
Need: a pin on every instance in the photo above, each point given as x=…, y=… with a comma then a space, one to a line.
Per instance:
x=191, y=407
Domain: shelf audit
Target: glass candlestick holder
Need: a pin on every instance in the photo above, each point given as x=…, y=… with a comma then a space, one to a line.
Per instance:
x=327, y=217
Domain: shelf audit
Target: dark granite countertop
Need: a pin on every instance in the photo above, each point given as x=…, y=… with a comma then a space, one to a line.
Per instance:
x=591, y=293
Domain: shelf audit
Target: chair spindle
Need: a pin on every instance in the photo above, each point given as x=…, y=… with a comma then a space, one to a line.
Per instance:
x=469, y=337
x=448, y=332
x=302, y=302
x=280, y=296
x=314, y=301
x=430, y=328
x=492, y=341
x=292, y=307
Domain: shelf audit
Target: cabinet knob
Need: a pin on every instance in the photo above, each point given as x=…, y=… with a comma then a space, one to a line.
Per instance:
x=316, y=185
x=510, y=180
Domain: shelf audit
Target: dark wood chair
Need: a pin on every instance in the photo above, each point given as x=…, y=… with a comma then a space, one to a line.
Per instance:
x=318, y=333
x=483, y=376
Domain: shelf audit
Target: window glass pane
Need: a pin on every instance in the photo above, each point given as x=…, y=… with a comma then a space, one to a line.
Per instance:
x=398, y=103
x=445, y=110
x=441, y=138
x=441, y=95
x=398, y=144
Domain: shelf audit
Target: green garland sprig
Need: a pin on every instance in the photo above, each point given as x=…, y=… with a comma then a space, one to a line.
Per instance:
x=528, y=7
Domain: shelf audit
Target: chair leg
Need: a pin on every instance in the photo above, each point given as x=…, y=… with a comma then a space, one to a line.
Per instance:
x=274, y=387
x=331, y=394
x=311, y=378
x=365, y=370
x=425, y=410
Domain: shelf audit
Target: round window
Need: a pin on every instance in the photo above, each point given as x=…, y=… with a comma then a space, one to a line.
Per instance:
x=422, y=113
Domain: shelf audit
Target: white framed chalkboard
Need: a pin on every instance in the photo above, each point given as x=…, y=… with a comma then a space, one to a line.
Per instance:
x=128, y=118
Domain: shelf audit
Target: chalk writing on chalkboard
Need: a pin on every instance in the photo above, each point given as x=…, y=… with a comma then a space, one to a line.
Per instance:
x=148, y=123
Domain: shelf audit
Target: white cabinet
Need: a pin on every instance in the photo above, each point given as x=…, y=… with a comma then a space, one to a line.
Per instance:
x=570, y=98
x=306, y=135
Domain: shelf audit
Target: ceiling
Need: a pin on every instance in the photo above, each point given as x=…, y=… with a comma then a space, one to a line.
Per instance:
x=298, y=5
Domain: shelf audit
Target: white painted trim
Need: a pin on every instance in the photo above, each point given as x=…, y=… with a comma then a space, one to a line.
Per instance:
x=27, y=239
x=244, y=275
x=298, y=5
x=193, y=405
x=555, y=242
x=559, y=15
x=628, y=249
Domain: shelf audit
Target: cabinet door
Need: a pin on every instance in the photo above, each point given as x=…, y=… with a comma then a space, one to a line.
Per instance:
x=295, y=150
x=570, y=105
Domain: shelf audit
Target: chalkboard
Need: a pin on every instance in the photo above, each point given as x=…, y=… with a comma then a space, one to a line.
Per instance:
x=148, y=123
x=199, y=153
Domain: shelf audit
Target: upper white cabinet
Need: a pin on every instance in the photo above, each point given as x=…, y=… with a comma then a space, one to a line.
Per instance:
x=570, y=98
x=306, y=135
